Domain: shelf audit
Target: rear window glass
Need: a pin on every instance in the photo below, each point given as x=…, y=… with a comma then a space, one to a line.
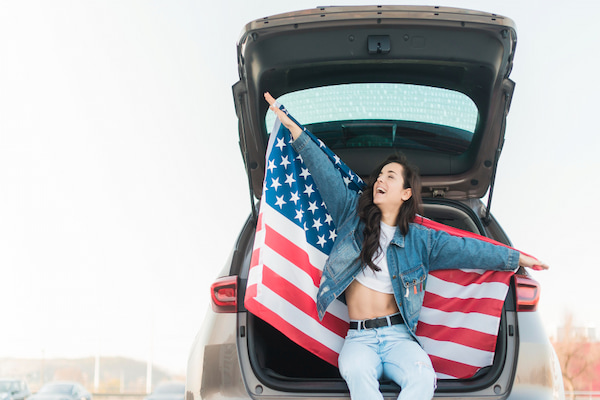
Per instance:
x=385, y=115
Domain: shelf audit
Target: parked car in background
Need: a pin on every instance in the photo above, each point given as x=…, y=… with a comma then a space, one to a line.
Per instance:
x=439, y=78
x=168, y=391
x=14, y=389
x=63, y=390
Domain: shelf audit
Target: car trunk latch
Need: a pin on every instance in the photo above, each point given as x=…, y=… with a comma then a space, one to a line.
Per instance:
x=438, y=192
x=379, y=44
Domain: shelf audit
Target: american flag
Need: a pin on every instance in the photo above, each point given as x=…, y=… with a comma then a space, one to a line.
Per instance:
x=461, y=310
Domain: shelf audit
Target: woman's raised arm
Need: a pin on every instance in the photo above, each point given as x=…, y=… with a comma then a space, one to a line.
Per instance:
x=285, y=120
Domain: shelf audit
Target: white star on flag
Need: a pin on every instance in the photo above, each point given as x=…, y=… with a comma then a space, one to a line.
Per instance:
x=308, y=190
x=312, y=206
x=280, y=144
x=285, y=162
x=275, y=183
x=295, y=198
x=289, y=179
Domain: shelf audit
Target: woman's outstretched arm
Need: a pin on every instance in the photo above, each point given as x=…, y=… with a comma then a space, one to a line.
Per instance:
x=530, y=262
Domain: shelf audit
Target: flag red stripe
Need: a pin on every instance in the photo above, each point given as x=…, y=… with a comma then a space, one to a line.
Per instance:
x=259, y=222
x=486, y=306
x=466, y=337
x=255, y=257
x=293, y=333
x=292, y=253
x=302, y=301
x=465, y=278
x=453, y=368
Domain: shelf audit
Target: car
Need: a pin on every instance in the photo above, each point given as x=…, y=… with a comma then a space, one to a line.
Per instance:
x=62, y=390
x=168, y=391
x=431, y=82
x=13, y=389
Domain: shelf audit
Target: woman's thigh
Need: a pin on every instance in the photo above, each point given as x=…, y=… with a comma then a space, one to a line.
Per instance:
x=406, y=363
x=361, y=352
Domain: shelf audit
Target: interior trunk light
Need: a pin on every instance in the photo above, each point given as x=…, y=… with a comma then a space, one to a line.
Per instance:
x=223, y=293
x=528, y=293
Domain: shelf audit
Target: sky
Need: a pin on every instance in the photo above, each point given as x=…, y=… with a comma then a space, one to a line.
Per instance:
x=122, y=188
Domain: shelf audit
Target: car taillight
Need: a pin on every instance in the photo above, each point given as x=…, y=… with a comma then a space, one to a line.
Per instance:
x=528, y=293
x=223, y=293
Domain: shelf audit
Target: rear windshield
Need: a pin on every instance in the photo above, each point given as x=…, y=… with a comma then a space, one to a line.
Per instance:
x=385, y=115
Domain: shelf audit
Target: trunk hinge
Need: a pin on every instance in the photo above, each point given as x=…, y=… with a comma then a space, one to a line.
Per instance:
x=507, y=100
x=239, y=105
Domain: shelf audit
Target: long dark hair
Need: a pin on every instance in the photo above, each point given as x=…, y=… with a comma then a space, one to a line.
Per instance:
x=370, y=214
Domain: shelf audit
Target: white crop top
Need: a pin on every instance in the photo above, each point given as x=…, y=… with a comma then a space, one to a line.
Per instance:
x=379, y=280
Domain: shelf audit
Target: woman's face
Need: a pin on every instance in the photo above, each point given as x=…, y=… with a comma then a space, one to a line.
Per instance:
x=388, y=190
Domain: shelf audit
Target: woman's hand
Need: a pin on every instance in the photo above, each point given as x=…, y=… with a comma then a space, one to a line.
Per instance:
x=285, y=120
x=530, y=262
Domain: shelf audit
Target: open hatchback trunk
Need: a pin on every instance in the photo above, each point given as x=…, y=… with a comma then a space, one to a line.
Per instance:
x=431, y=82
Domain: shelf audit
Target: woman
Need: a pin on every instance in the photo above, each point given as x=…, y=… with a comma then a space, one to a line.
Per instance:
x=380, y=262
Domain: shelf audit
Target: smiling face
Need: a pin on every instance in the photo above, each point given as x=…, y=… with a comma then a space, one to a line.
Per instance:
x=388, y=190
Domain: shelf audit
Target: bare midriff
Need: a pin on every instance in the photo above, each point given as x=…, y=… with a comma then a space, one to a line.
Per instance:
x=365, y=303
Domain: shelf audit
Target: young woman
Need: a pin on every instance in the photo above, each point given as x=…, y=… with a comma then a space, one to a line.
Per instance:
x=380, y=262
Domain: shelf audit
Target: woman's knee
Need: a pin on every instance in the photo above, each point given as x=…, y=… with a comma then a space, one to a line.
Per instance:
x=421, y=380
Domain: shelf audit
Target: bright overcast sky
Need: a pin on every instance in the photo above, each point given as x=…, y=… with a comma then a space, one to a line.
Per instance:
x=122, y=187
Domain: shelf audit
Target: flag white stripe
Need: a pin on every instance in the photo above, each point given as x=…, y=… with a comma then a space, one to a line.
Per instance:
x=458, y=352
x=444, y=376
x=289, y=271
x=272, y=137
x=255, y=275
x=474, y=321
x=300, y=320
x=487, y=290
x=339, y=309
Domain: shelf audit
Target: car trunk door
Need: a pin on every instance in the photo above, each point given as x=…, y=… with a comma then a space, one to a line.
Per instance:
x=466, y=51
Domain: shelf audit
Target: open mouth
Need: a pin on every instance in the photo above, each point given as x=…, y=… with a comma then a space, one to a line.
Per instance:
x=380, y=190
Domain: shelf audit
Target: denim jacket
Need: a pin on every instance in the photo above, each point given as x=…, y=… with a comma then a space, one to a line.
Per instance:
x=410, y=257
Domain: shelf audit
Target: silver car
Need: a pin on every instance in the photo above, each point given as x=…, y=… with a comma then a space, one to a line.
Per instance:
x=62, y=390
x=172, y=390
x=432, y=82
x=14, y=389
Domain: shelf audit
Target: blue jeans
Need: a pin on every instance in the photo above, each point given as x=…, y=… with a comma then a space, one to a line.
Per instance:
x=389, y=352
